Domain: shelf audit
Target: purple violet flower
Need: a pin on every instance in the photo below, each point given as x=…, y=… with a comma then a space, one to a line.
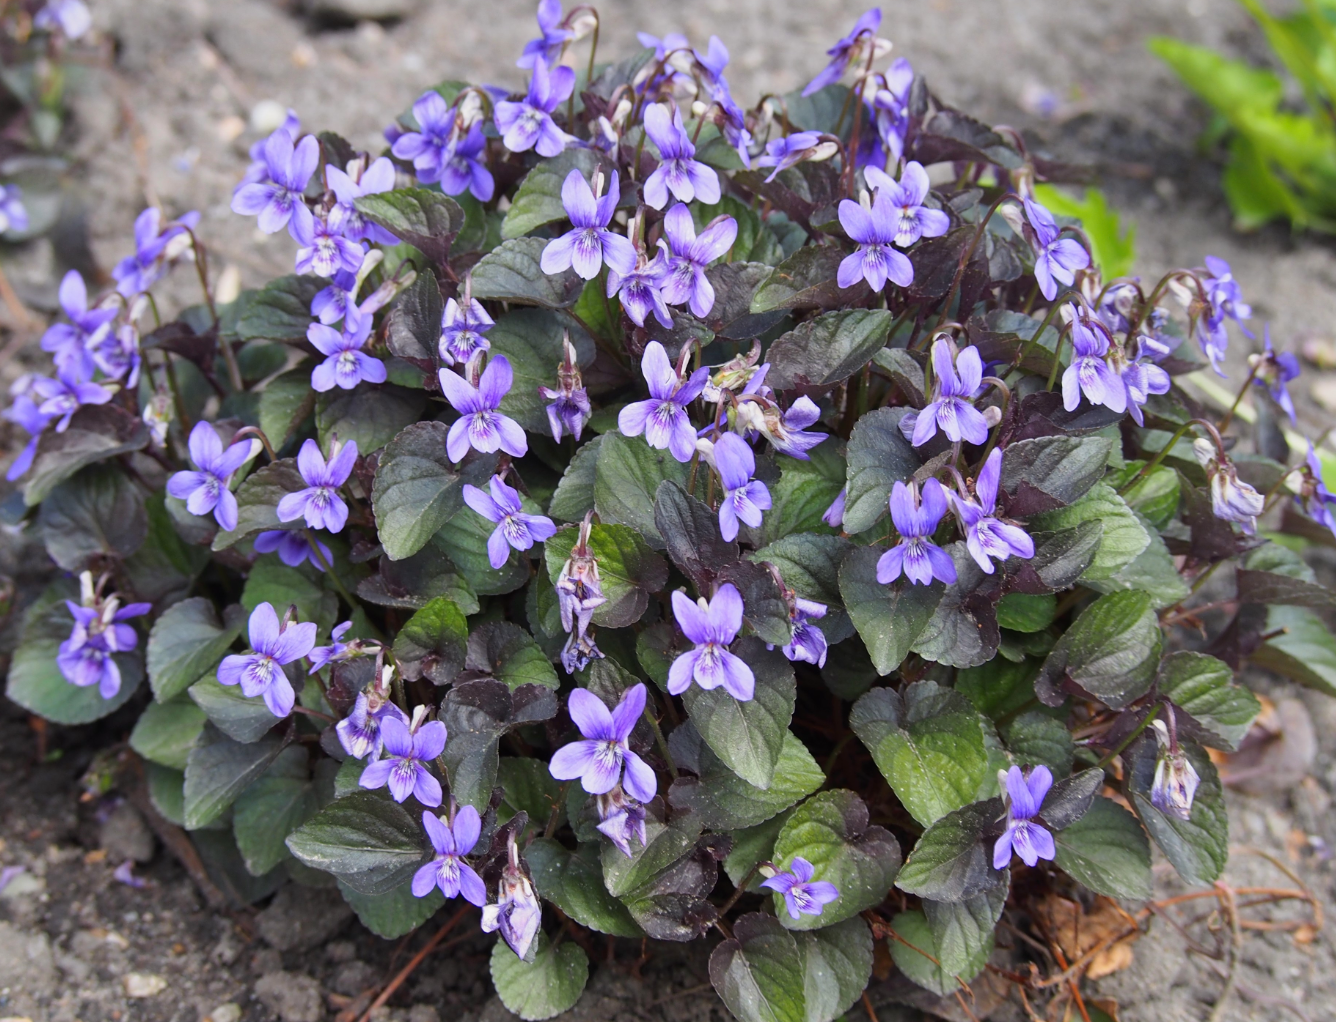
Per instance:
x=663, y=418
x=809, y=642
x=514, y=528
x=598, y=759
x=277, y=200
x=1089, y=373
x=344, y=218
x=331, y=304
x=732, y=120
x=1029, y=839
x=465, y=169
x=744, y=497
x=553, y=38
x=951, y=408
x=589, y=243
x=915, y=554
x=802, y=894
x=528, y=124
x=320, y=503
x=913, y=220
x=67, y=393
x=1274, y=371
x=686, y=281
x=118, y=356
x=23, y=411
x=783, y=153
x=71, y=344
x=1313, y=498
x=834, y=515
x=480, y=425
x=324, y=250
x=678, y=171
x=206, y=489
x=1056, y=259
x=346, y=364
x=404, y=769
x=13, y=214
x=712, y=627
x=155, y=247
x=570, y=408
x=260, y=672
x=71, y=17
x=1232, y=500
x=292, y=548
x=1141, y=378
x=621, y=820
x=987, y=536
x=85, y=658
x=337, y=650
x=876, y=260
x=889, y=107
x=848, y=50
x=432, y=146
x=516, y=912
x=447, y=869
x=1225, y=298
x=359, y=732
x=462, y=329
x=640, y=291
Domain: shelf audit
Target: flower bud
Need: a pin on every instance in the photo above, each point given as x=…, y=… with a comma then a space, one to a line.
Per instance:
x=1176, y=779
x=517, y=912
x=1232, y=500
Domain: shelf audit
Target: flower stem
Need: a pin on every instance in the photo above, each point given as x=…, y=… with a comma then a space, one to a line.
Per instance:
x=1130, y=738
x=328, y=569
x=1229, y=415
x=661, y=742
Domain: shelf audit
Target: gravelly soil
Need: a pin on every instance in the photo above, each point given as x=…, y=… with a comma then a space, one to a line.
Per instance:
x=159, y=125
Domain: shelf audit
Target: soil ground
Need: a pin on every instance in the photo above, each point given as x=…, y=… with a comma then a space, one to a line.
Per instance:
x=169, y=119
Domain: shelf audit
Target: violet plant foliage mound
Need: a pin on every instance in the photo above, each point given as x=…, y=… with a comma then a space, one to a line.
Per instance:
x=645, y=516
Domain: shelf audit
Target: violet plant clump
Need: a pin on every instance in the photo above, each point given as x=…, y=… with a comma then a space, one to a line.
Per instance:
x=641, y=515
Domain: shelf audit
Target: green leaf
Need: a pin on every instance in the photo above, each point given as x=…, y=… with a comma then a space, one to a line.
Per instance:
x=219, y=769
x=1024, y=613
x=1106, y=850
x=432, y=643
x=962, y=631
x=929, y=745
x=962, y=932
x=537, y=201
x=166, y=792
x=510, y=654
x=828, y=349
x=665, y=843
x=830, y=830
x=545, y=987
x=165, y=732
x=1305, y=651
x=804, y=493
x=35, y=682
x=187, y=640
x=413, y=329
x=1256, y=586
x=748, y=736
x=531, y=339
x=805, y=280
x=242, y=719
x=271, y=581
x=753, y=845
x=878, y=456
x=395, y=913
x=1034, y=737
x=285, y=403
x=1123, y=539
x=1111, y=650
x=627, y=567
x=529, y=787
x=1050, y=472
x=915, y=956
x=511, y=273
x=463, y=539
x=1152, y=571
x=1203, y=686
x=890, y=618
x=759, y=972
x=1154, y=496
x=416, y=489
x=370, y=415
x=1198, y=846
x=273, y=807
x=837, y=967
x=1227, y=84
x=951, y=861
x=724, y=801
x=162, y=570
x=280, y=311
x=574, y=495
x=98, y=513
x=998, y=687
x=424, y=218
x=366, y=840
x=691, y=531
x=573, y=881
x=1112, y=246
x=95, y=433
x=1060, y=558
x=257, y=501
x=477, y=714
x=627, y=475
x=218, y=851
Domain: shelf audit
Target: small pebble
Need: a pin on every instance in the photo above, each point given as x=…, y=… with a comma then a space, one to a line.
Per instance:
x=143, y=984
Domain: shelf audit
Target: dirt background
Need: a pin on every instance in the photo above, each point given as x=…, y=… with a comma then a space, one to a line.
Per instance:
x=168, y=119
